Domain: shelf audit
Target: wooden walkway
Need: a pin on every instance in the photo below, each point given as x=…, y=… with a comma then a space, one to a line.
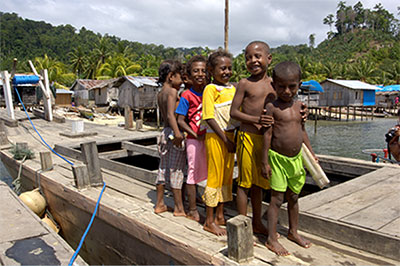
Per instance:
x=126, y=230
x=25, y=239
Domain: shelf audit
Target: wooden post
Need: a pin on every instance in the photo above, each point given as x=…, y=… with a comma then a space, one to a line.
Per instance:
x=128, y=114
x=139, y=122
x=340, y=113
x=91, y=159
x=329, y=113
x=81, y=176
x=46, y=161
x=226, y=28
x=372, y=112
x=347, y=113
x=240, y=238
x=41, y=85
x=48, y=111
x=8, y=94
x=362, y=110
x=315, y=120
x=354, y=113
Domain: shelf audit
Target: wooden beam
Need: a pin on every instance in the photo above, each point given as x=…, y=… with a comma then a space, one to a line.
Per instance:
x=91, y=159
x=46, y=161
x=8, y=94
x=140, y=148
x=240, y=239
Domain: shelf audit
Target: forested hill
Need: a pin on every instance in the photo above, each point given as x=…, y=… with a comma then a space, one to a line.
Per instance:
x=364, y=44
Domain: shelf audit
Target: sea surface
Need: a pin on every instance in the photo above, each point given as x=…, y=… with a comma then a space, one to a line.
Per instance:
x=346, y=139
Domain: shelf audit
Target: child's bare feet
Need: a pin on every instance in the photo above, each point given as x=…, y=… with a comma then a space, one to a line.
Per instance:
x=161, y=209
x=215, y=229
x=193, y=215
x=261, y=229
x=303, y=242
x=220, y=221
x=179, y=213
x=276, y=247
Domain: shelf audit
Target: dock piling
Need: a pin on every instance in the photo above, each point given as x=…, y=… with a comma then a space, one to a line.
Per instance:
x=45, y=160
x=81, y=176
x=240, y=238
x=91, y=159
x=128, y=113
x=3, y=138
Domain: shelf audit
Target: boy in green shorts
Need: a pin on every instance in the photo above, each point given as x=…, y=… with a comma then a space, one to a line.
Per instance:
x=282, y=162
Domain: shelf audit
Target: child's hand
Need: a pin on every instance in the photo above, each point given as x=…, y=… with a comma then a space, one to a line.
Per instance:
x=177, y=141
x=266, y=120
x=266, y=171
x=304, y=112
x=230, y=145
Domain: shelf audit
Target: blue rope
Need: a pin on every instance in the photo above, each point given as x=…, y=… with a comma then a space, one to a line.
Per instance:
x=98, y=200
x=19, y=97
x=88, y=227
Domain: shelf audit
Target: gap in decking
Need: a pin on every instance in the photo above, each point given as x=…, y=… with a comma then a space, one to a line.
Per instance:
x=145, y=142
x=142, y=161
x=115, y=146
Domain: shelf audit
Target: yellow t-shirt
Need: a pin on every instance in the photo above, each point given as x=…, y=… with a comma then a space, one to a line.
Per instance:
x=217, y=102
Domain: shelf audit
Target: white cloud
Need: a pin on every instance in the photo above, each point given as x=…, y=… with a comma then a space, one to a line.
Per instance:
x=189, y=23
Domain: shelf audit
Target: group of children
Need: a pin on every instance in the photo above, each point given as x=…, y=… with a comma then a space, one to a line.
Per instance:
x=259, y=121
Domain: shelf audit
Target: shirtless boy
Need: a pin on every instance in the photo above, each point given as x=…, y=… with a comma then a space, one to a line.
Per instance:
x=282, y=160
x=172, y=154
x=248, y=107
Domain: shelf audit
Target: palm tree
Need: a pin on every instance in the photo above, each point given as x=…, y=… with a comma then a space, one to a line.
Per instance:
x=330, y=70
x=364, y=71
x=394, y=73
x=78, y=60
x=117, y=66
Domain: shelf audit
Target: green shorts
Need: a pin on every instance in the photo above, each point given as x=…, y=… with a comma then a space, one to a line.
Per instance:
x=286, y=172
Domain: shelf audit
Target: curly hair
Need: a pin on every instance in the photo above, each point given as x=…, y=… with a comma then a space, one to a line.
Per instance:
x=166, y=67
x=213, y=58
x=194, y=59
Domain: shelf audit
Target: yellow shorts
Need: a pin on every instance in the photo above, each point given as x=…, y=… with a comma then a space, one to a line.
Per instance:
x=220, y=165
x=249, y=153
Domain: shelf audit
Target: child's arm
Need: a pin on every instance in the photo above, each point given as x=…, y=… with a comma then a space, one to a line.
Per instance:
x=221, y=134
x=267, y=137
x=262, y=120
x=171, y=104
x=306, y=141
x=183, y=125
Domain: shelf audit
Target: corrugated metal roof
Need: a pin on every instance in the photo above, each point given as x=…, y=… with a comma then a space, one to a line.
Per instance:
x=91, y=83
x=353, y=84
x=140, y=81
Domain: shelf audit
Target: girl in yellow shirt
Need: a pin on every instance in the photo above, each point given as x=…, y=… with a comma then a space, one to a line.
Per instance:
x=219, y=141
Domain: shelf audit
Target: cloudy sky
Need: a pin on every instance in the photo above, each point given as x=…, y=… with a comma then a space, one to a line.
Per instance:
x=189, y=23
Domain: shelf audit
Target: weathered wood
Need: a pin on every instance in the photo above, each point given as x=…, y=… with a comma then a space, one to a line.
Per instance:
x=2, y=126
x=3, y=138
x=139, y=124
x=21, y=145
x=140, y=148
x=128, y=114
x=81, y=176
x=240, y=238
x=8, y=95
x=46, y=161
x=91, y=159
x=71, y=134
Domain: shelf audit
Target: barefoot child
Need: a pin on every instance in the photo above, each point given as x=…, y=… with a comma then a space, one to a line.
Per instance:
x=248, y=107
x=189, y=117
x=220, y=148
x=172, y=154
x=282, y=161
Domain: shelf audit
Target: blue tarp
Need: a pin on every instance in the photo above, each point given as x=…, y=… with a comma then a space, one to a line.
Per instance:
x=311, y=85
x=369, y=97
x=391, y=88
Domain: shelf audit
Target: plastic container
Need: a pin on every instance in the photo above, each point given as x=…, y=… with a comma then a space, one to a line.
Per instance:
x=77, y=126
x=314, y=168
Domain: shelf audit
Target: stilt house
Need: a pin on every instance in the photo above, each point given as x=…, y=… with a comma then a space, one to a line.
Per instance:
x=347, y=93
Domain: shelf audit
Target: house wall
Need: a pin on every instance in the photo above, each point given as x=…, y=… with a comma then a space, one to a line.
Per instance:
x=81, y=97
x=336, y=95
x=100, y=96
x=63, y=99
x=137, y=98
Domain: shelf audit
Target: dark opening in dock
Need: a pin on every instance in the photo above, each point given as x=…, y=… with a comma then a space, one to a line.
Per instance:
x=142, y=161
x=145, y=142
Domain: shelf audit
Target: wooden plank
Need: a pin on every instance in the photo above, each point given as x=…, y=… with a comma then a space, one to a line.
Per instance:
x=113, y=154
x=91, y=159
x=357, y=201
x=379, y=214
x=46, y=161
x=391, y=228
x=325, y=196
x=140, y=148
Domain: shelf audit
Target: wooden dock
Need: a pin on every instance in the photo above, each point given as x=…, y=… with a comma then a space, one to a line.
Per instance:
x=25, y=239
x=127, y=231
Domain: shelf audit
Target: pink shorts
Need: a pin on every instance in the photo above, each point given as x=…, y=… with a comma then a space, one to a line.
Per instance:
x=197, y=161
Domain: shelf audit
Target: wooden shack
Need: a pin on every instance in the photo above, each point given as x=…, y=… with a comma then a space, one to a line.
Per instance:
x=347, y=93
x=105, y=92
x=386, y=96
x=139, y=93
x=63, y=97
x=26, y=91
x=83, y=92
